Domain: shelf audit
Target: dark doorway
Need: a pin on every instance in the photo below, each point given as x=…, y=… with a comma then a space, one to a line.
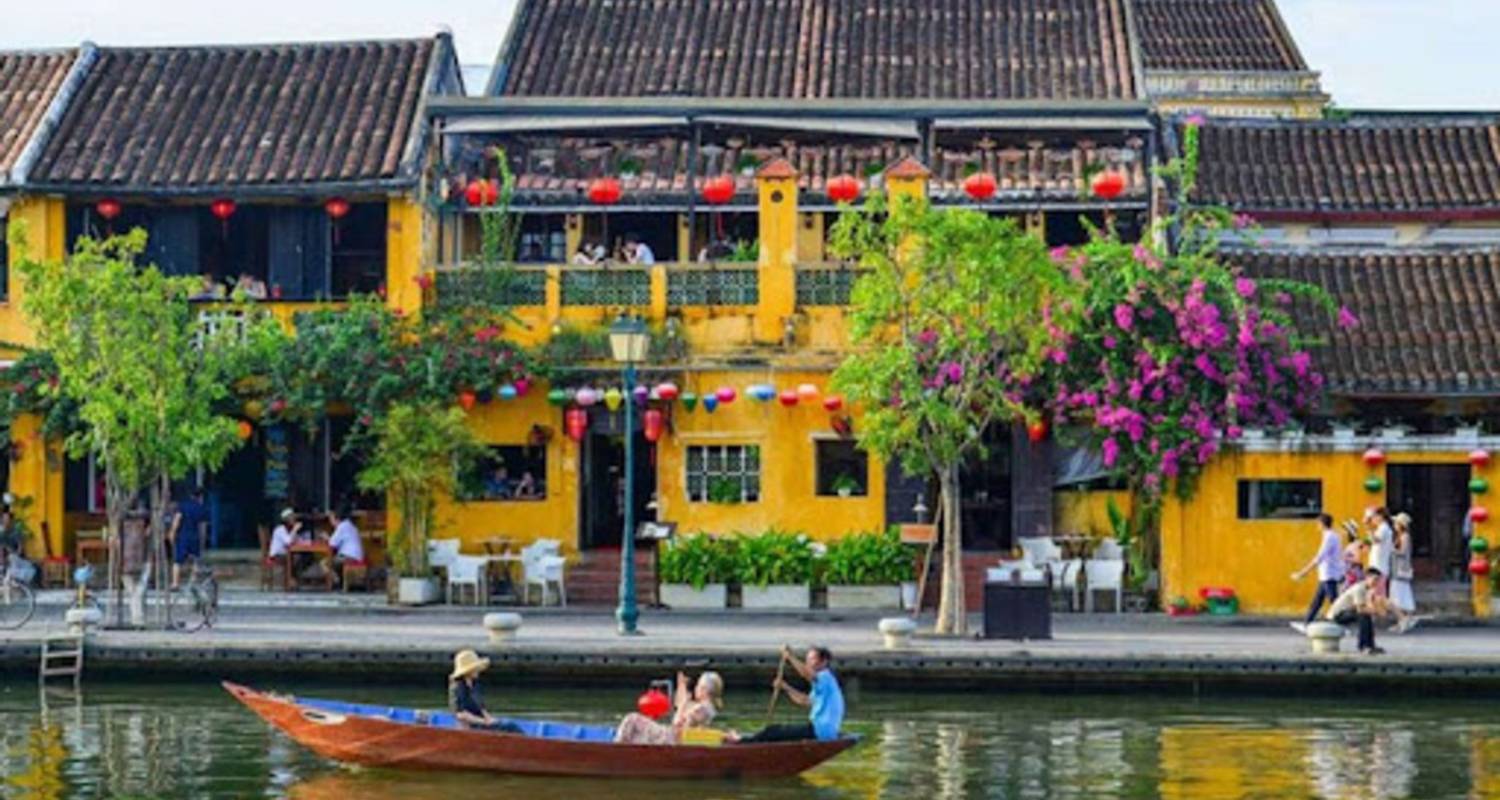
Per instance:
x=1437, y=498
x=236, y=499
x=985, y=486
x=601, y=513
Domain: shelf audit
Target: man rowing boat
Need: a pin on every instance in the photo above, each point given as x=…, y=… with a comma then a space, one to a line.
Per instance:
x=824, y=701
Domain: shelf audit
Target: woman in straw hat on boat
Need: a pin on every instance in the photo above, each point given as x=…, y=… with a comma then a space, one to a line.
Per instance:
x=464, y=699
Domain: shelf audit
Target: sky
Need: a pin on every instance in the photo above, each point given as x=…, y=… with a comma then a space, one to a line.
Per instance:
x=1410, y=54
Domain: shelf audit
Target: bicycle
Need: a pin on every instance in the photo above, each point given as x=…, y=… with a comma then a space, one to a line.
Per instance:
x=196, y=606
x=17, y=602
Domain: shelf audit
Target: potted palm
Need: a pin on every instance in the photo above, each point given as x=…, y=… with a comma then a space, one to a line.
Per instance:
x=775, y=570
x=846, y=486
x=866, y=570
x=420, y=449
x=696, y=570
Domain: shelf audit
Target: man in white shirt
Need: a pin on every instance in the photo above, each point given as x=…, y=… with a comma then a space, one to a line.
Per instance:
x=1329, y=562
x=639, y=252
x=347, y=547
x=285, y=534
x=1359, y=604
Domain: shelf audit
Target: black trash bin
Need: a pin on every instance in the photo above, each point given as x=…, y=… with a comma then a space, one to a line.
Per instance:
x=1016, y=609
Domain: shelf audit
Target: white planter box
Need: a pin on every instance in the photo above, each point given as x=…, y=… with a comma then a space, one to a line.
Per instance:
x=776, y=596
x=682, y=595
x=417, y=591
x=909, y=595
x=864, y=597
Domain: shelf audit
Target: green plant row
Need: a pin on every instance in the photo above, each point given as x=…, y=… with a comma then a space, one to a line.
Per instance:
x=786, y=558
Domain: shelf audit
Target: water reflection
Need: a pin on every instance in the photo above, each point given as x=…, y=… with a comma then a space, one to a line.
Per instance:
x=192, y=741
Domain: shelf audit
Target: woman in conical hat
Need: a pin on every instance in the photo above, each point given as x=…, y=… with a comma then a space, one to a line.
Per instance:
x=464, y=699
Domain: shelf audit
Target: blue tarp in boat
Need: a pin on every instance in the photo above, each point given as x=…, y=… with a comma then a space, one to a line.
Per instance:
x=541, y=729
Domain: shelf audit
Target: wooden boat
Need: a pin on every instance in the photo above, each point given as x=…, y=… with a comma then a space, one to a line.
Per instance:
x=380, y=736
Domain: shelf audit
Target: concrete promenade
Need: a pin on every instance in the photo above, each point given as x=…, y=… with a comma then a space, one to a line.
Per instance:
x=334, y=635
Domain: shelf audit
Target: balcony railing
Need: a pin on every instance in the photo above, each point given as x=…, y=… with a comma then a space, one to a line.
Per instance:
x=606, y=286
x=713, y=286
x=825, y=284
x=521, y=286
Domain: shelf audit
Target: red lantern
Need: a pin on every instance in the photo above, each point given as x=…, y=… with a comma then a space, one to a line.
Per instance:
x=1374, y=457
x=223, y=209
x=246, y=430
x=423, y=281
x=654, y=704
x=1036, y=431
x=337, y=208
x=108, y=209
x=789, y=397
x=1480, y=459
x=980, y=186
x=726, y=394
x=577, y=423
x=467, y=398
x=480, y=193
x=653, y=423
x=604, y=191
x=833, y=402
x=1479, y=514
x=843, y=426
x=718, y=191
x=668, y=392
x=1479, y=566
x=1109, y=184
x=844, y=189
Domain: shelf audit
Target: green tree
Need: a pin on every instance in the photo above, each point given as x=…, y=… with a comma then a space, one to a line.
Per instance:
x=420, y=450
x=949, y=325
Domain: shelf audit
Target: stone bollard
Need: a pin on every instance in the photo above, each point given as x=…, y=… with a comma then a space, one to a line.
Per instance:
x=83, y=621
x=502, y=626
x=1324, y=637
x=897, y=632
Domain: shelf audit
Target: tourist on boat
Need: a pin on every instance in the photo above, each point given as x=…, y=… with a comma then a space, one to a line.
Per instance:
x=464, y=699
x=693, y=709
x=1329, y=563
x=824, y=701
x=1359, y=605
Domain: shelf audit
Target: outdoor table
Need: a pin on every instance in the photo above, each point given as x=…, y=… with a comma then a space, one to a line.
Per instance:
x=316, y=550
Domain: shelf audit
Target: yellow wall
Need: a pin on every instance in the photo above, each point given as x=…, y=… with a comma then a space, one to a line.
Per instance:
x=38, y=475
x=46, y=233
x=1205, y=544
x=404, y=253
x=1087, y=512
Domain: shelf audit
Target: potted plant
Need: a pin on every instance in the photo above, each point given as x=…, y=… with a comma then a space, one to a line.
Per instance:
x=775, y=570
x=420, y=450
x=846, y=486
x=724, y=491
x=696, y=571
x=866, y=570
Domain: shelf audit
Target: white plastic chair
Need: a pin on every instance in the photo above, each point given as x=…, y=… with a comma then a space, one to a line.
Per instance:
x=1106, y=575
x=541, y=566
x=441, y=552
x=1109, y=550
x=469, y=571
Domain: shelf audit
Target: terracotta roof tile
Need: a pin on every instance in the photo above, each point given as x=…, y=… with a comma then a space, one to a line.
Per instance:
x=1429, y=319
x=1372, y=165
x=28, y=83
x=151, y=119
x=953, y=49
x=1215, y=35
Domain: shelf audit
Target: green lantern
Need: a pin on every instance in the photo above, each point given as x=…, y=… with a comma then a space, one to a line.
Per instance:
x=1374, y=484
x=557, y=397
x=1479, y=486
x=1479, y=545
x=689, y=400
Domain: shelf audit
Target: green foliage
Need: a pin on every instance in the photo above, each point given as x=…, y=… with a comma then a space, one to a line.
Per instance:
x=32, y=387
x=725, y=491
x=774, y=557
x=420, y=449
x=744, y=251
x=874, y=558
x=698, y=560
x=576, y=345
x=846, y=483
x=1133, y=537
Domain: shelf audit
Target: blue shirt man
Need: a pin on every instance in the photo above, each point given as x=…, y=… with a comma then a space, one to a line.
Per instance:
x=827, y=704
x=824, y=701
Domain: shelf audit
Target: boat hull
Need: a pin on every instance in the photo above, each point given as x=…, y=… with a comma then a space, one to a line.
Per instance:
x=373, y=742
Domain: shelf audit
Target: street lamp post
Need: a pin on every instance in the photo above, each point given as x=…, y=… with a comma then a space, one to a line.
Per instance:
x=628, y=341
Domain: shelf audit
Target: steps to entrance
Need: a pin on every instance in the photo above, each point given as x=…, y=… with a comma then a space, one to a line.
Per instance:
x=1444, y=598
x=595, y=579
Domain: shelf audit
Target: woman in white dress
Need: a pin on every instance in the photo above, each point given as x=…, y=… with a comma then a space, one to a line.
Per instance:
x=1382, y=537
x=1402, y=599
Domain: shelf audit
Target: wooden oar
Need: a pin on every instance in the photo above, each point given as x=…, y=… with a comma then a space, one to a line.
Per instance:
x=776, y=688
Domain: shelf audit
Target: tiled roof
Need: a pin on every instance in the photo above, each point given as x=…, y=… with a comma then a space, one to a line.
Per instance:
x=1429, y=321
x=953, y=49
x=1370, y=165
x=28, y=83
x=555, y=172
x=1214, y=36
x=204, y=118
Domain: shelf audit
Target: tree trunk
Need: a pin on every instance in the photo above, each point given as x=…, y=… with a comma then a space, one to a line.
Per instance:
x=116, y=503
x=161, y=569
x=952, y=617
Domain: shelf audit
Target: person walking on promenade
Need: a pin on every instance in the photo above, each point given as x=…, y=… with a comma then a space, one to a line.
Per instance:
x=1360, y=604
x=1354, y=554
x=187, y=532
x=1329, y=562
x=1382, y=537
x=1403, y=601
x=824, y=701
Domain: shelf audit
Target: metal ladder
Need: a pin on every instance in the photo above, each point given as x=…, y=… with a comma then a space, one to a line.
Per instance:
x=62, y=656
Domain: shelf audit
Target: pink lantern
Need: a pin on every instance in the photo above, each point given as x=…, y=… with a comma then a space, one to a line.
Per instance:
x=1374, y=457
x=1480, y=459
x=726, y=394
x=1479, y=514
x=667, y=391
x=789, y=398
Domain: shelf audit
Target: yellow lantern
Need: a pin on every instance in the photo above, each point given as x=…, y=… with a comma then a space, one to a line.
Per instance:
x=612, y=399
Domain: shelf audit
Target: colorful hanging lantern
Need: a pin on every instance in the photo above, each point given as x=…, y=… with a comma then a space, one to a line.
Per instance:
x=789, y=398
x=641, y=395
x=523, y=385
x=253, y=409
x=1479, y=458
x=556, y=397
x=667, y=392
x=1374, y=484
x=1479, y=486
x=337, y=208
x=108, y=209
x=423, y=281
x=508, y=392
x=653, y=423
x=807, y=392
x=718, y=191
x=485, y=396
x=576, y=421
x=586, y=397
x=467, y=399
x=710, y=402
x=844, y=188
x=1374, y=457
x=1036, y=431
x=1479, y=566
x=833, y=402
x=1109, y=184
x=223, y=209
x=726, y=394
x=604, y=191
x=689, y=400
x=653, y=704
x=842, y=425
x=762, y=392
x=613, y=398
x=1479, y=544
x=481, y=193
x=980, y=186
x=1479, y=514
x=246, y=430
x=278, y=405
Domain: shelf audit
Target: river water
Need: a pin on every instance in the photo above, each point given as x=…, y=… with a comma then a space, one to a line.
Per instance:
x=193, y=741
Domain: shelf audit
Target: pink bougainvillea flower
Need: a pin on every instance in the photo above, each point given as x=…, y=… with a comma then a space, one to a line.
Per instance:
x=1347, y=320
x=1124, y=316
x=1243, y=221
x=1244, y=287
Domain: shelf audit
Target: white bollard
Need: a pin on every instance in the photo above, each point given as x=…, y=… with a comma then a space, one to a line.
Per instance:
x=82, y=621
x=897, y=632
x=1324, y=637
x=502, y=626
